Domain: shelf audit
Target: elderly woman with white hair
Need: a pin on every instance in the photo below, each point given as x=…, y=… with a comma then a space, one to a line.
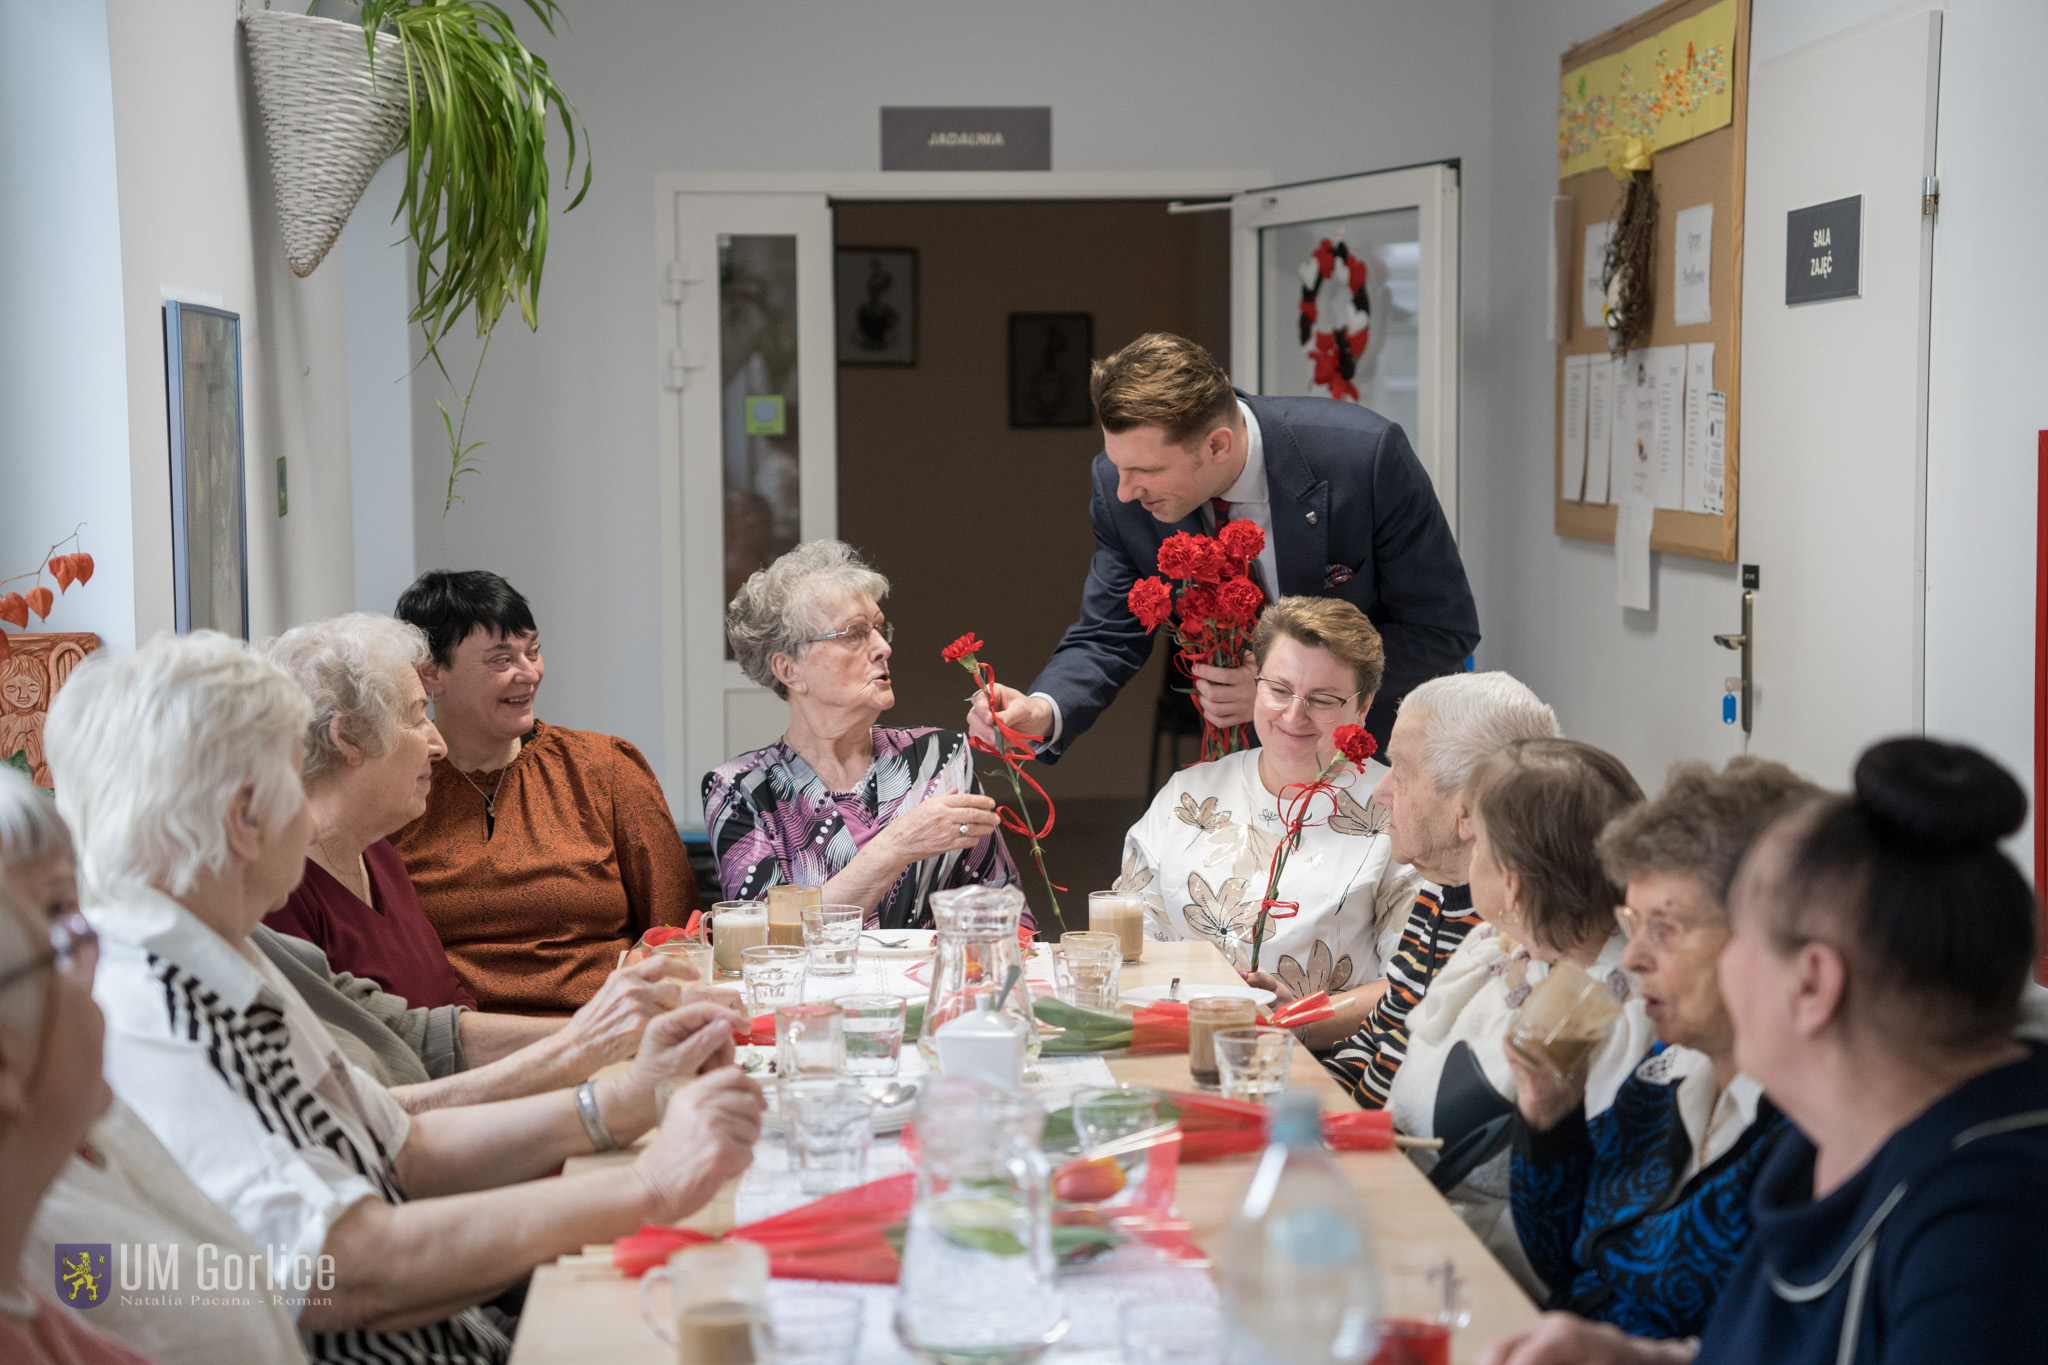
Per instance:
x=879, y=817
x=178, y=771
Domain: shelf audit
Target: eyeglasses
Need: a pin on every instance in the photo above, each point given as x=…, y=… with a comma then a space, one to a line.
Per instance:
x=1663, y=933
x=73, y=943
x=1319, y=704
x=858, y=634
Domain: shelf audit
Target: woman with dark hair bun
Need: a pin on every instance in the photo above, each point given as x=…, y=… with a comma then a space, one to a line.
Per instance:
x=1883, y=944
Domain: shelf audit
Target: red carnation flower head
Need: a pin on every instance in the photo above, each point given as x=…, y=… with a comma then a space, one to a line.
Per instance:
x=1357, y=745
x=1177, y=555
x=1151, y=601
x=960, y=648
x=1198, y=605
x=1241, y=539
x=1238, y=601
x=1210, y=562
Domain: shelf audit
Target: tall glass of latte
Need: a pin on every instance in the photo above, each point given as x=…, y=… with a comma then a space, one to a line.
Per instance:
x=1122, y=914
x=786, y=905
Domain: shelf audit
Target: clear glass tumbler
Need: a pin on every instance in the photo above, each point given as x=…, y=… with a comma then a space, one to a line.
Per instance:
x=1252, y=1063
x=829, y=1127
x=773, y=976
x=1102, y=1116
x=832, y=935
x=1173, y=1333
x=874, y=1033
x=821, y=1328
x=810, y=1040
x=1087, y=969
x=693, y=953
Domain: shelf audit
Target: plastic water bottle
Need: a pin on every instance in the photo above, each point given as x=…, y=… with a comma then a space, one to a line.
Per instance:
x=1300, y=1279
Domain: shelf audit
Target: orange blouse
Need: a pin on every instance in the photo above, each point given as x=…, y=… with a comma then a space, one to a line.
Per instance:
x=583, y=858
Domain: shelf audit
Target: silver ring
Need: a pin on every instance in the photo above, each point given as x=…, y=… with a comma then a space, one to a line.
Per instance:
x=963, y=831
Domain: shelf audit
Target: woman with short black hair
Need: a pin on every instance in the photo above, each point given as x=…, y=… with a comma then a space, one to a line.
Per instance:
x=1882, y=945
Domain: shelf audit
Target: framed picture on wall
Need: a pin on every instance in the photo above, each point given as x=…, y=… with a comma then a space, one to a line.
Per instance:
x=1049, y=358
x=209, y=521
x=875, y=290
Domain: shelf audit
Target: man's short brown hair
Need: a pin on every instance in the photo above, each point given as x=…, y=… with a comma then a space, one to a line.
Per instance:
x=1328, y=623
x=1161, y=380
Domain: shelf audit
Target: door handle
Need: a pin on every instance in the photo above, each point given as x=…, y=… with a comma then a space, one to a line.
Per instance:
x=1744, y=686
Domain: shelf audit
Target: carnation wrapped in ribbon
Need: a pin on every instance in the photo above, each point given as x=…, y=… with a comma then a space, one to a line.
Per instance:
x=839, y=1237
x=1070, y=1031
x=1218, y=605
x=1208, y=1127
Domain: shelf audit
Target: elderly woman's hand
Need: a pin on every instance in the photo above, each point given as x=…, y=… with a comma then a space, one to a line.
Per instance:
x=682, y=1044
x=1562, y=1339
x=707, y=1137
x=608, y=1027
x=935, y=825
x=1543, y=1099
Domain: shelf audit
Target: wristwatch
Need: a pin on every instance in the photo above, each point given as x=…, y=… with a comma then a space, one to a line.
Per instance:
x=593, y=1122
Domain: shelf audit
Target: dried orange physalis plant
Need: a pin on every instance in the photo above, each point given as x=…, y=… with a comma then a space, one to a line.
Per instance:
x=67, y=569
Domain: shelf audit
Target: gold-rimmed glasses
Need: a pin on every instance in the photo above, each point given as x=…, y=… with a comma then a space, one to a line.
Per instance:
x=1321, y=705
x=1664, y=933
x=858, y=634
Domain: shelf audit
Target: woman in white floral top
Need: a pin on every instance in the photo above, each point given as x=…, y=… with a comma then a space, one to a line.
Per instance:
x=1199, y=857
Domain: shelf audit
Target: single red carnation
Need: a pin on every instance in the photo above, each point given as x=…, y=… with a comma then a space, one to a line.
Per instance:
x=1199, y=605
x=1241, y=539
x=1177, y=555
x=960, y=648
x=1238, y=601
x=1151, y=601
x=1356, y=743
x=1208, y=562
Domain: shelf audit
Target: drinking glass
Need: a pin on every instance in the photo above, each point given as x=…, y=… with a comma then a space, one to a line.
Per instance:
x=693, y=953
x=821, y=1328
x=786, y=912
x=1104, y=1115
x=1252, y=1063
x=1173, y=1333
x=809, y=1040
x=1087, y=969
x=1206, y=1015
x=874, y=1033
x=1425, y=1305
x=1122, y=914
x=832, y=935
x=1564, y=1020
x=735, y=927
x=717, y=1290
x=829, y=1126
x=773, y=975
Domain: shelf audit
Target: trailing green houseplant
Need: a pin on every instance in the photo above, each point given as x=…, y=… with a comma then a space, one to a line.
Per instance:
x=477, y=182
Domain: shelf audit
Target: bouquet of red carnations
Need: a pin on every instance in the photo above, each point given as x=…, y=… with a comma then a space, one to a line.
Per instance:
x=1217, y=604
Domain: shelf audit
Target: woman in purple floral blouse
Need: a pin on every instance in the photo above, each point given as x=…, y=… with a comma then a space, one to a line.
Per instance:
x=879, y=817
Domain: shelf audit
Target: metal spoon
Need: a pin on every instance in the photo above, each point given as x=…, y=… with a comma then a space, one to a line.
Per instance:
x=895, y=1093
x=1009, y=980
x=887, y=942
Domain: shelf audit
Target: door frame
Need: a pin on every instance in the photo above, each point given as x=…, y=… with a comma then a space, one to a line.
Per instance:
x=671, y=284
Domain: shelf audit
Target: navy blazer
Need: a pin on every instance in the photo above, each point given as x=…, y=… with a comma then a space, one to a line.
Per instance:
x=1347, y=496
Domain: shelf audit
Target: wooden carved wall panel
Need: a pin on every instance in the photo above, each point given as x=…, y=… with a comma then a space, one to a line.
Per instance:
x=29, y=677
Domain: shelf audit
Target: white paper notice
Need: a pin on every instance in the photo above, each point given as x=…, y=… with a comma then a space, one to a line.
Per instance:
x=1621, y=426
x=1592, y=294
x=1692, y=269
x=1667, y=453
x=1599, y=425
x=1716, y=496
x=1699, y=381
x=1574, y=425
x=1632, y=524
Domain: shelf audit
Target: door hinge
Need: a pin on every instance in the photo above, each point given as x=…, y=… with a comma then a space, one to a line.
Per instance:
x=677, y=277
x=1930, y=196
x=680, y=363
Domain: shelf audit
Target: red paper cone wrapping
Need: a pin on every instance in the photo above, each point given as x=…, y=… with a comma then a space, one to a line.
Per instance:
x=1309, y=1009
x=760, y=1032
x=838, y=1237
x=1161, y=1027
x=1213, y=1127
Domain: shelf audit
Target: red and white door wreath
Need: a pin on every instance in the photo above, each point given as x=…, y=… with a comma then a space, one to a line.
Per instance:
x=1333, y=352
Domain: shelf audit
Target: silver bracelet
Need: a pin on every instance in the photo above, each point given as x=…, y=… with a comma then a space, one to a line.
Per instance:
x=593, y=1122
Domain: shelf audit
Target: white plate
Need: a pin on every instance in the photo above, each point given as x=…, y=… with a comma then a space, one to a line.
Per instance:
x=916, y=942
x=885, y=1120
x=1152, y=995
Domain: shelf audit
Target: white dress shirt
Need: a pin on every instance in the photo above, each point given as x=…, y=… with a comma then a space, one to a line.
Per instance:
x=227, y=1064
x=1249, y=501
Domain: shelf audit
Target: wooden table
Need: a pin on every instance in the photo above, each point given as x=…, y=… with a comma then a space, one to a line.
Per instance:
x=579, y=1312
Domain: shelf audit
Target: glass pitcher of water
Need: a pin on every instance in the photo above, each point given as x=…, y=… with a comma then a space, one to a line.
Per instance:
x=977, y=945
x=977, y=1283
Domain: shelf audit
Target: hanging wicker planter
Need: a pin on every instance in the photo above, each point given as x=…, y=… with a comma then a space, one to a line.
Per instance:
x=328, y=125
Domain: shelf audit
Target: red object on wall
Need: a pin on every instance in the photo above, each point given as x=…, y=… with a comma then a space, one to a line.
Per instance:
x=2041, y=683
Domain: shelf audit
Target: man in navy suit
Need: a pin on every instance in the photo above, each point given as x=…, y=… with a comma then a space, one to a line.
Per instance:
x=1346, y=507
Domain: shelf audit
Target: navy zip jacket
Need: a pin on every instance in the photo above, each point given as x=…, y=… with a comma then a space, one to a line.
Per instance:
x=1613, y=1229
x=1354, y=516
x=1934, y=1251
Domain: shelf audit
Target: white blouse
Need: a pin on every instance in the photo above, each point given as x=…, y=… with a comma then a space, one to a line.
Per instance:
x=245, y=1087
x=1199, y=858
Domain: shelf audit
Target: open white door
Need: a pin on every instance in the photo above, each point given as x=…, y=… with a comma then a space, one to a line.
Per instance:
x=1834, y=397
x=749, y=442
x=1348, y=288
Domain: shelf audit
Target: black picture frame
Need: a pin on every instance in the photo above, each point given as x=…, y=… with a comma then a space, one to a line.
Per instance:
x=209, y=496
x=1050, y=356
x=874, y=293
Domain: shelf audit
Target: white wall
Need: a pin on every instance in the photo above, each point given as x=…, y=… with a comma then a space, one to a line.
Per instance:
x=377, y=283
x=565, y=505
x=63, y=408
x=198, y=224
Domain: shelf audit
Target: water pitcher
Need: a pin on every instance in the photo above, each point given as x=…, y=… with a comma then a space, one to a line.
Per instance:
x=977, y=944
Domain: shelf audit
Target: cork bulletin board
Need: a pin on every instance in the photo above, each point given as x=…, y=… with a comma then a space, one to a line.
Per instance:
x=1659, y=72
